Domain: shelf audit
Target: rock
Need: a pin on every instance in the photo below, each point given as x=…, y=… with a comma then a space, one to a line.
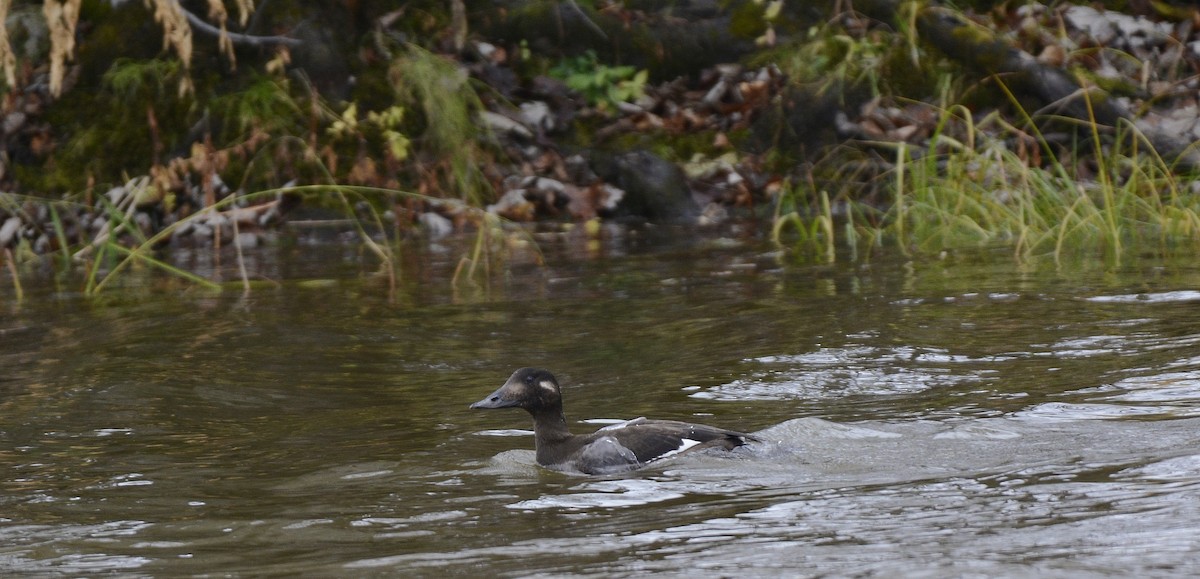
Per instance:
x=655, y=189
x=144, y=223
x=1114, y=29
x=203, y=232
x=578, y=170
x=502, y=124
x=486, y=50
x=185, y=229
x=537, y=114
x=513, y=205
x=247, y=240
x=435, y=225
x=116, y=194
x=8, y=231
x=221, y=222
x=547, y=184
x=13, y=122
x=98, y=223
x=713, y=214
x=714, y=95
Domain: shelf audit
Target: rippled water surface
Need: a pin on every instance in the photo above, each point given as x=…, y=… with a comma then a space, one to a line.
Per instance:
x=951, y=418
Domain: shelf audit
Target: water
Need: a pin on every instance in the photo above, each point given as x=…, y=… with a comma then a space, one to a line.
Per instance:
x=933, y=418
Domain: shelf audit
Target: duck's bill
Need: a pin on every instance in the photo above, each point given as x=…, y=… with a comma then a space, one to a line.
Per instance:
x=495, y=400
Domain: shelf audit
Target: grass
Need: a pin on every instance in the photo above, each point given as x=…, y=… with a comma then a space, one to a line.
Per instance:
x=441, y=92
x=992, y=184
x=989, y=181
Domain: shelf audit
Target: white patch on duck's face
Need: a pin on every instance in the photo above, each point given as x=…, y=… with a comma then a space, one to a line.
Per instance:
x=684, y=444
x=548, y=385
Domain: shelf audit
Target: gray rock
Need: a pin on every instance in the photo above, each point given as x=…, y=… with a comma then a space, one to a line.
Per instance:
x=218, y=221
x=537, y=114
x=510, y=202
x=547, y=184
x=247, y=240
x=8, y=231
x=655, y=189
x=13, y=121
x=203, y=232
x=435, y=225
x=502, y=124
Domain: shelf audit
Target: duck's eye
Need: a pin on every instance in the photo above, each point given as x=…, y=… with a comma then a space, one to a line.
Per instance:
x=529, y=379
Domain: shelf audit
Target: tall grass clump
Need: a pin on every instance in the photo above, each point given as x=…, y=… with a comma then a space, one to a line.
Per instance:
x=1112, y=192
x=990, y=184
x=441, y=91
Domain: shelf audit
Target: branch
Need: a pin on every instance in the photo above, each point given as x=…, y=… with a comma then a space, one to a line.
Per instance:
x=241, y=39
x=588, y=21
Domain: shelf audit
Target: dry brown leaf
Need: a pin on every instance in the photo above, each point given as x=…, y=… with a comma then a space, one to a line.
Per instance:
x=177, y=35
x=61, y=18
x=8, y=61
x=245, y=7
x=218, y=14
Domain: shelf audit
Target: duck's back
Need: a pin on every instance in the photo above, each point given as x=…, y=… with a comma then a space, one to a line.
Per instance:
x=635, y=443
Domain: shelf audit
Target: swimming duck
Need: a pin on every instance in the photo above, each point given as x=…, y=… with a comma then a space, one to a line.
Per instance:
x=616, y=448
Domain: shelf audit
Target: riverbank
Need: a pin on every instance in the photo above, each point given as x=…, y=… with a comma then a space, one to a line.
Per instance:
x=847, y=130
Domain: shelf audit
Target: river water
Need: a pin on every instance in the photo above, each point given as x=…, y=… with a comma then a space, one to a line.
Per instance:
x=934, y=417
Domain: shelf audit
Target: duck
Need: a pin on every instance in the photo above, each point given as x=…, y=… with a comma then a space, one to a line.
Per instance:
x=616, y=448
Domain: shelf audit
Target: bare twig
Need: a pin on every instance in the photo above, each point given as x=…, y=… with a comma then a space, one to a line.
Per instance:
x=588, y=21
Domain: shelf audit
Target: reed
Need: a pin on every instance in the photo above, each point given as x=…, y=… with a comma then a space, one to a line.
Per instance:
x=18, y=290
x=813, y=226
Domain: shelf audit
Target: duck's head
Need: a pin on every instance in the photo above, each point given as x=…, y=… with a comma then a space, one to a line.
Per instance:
x=529, y=388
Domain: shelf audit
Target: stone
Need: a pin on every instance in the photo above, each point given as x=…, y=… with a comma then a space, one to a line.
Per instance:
x=435, y=225
x=537, y=114
x=8, y=231
x=655, y=189
x=247, y=240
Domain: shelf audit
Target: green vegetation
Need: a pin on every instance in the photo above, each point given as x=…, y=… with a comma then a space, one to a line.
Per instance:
x=449, y=105
x=888, y=129
x=603, y=86
x=981, y=191
x=977, y=181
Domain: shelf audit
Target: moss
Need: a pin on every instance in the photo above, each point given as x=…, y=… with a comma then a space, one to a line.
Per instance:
x=373, y=89
x=987, y=52
x=107, y=132
x=747, y=22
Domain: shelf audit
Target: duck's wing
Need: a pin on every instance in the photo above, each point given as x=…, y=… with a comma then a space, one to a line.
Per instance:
x=625, y=424
x=604, y=454
x=651, y=440
x=631, y=444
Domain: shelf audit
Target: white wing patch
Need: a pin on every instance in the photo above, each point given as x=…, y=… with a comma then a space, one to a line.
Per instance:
x=684, y=444
x=620, y=425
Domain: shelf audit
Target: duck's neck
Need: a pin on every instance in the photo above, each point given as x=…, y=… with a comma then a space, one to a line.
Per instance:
x=549, y=427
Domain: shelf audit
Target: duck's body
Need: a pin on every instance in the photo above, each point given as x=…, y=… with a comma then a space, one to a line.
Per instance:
x=616, y=448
